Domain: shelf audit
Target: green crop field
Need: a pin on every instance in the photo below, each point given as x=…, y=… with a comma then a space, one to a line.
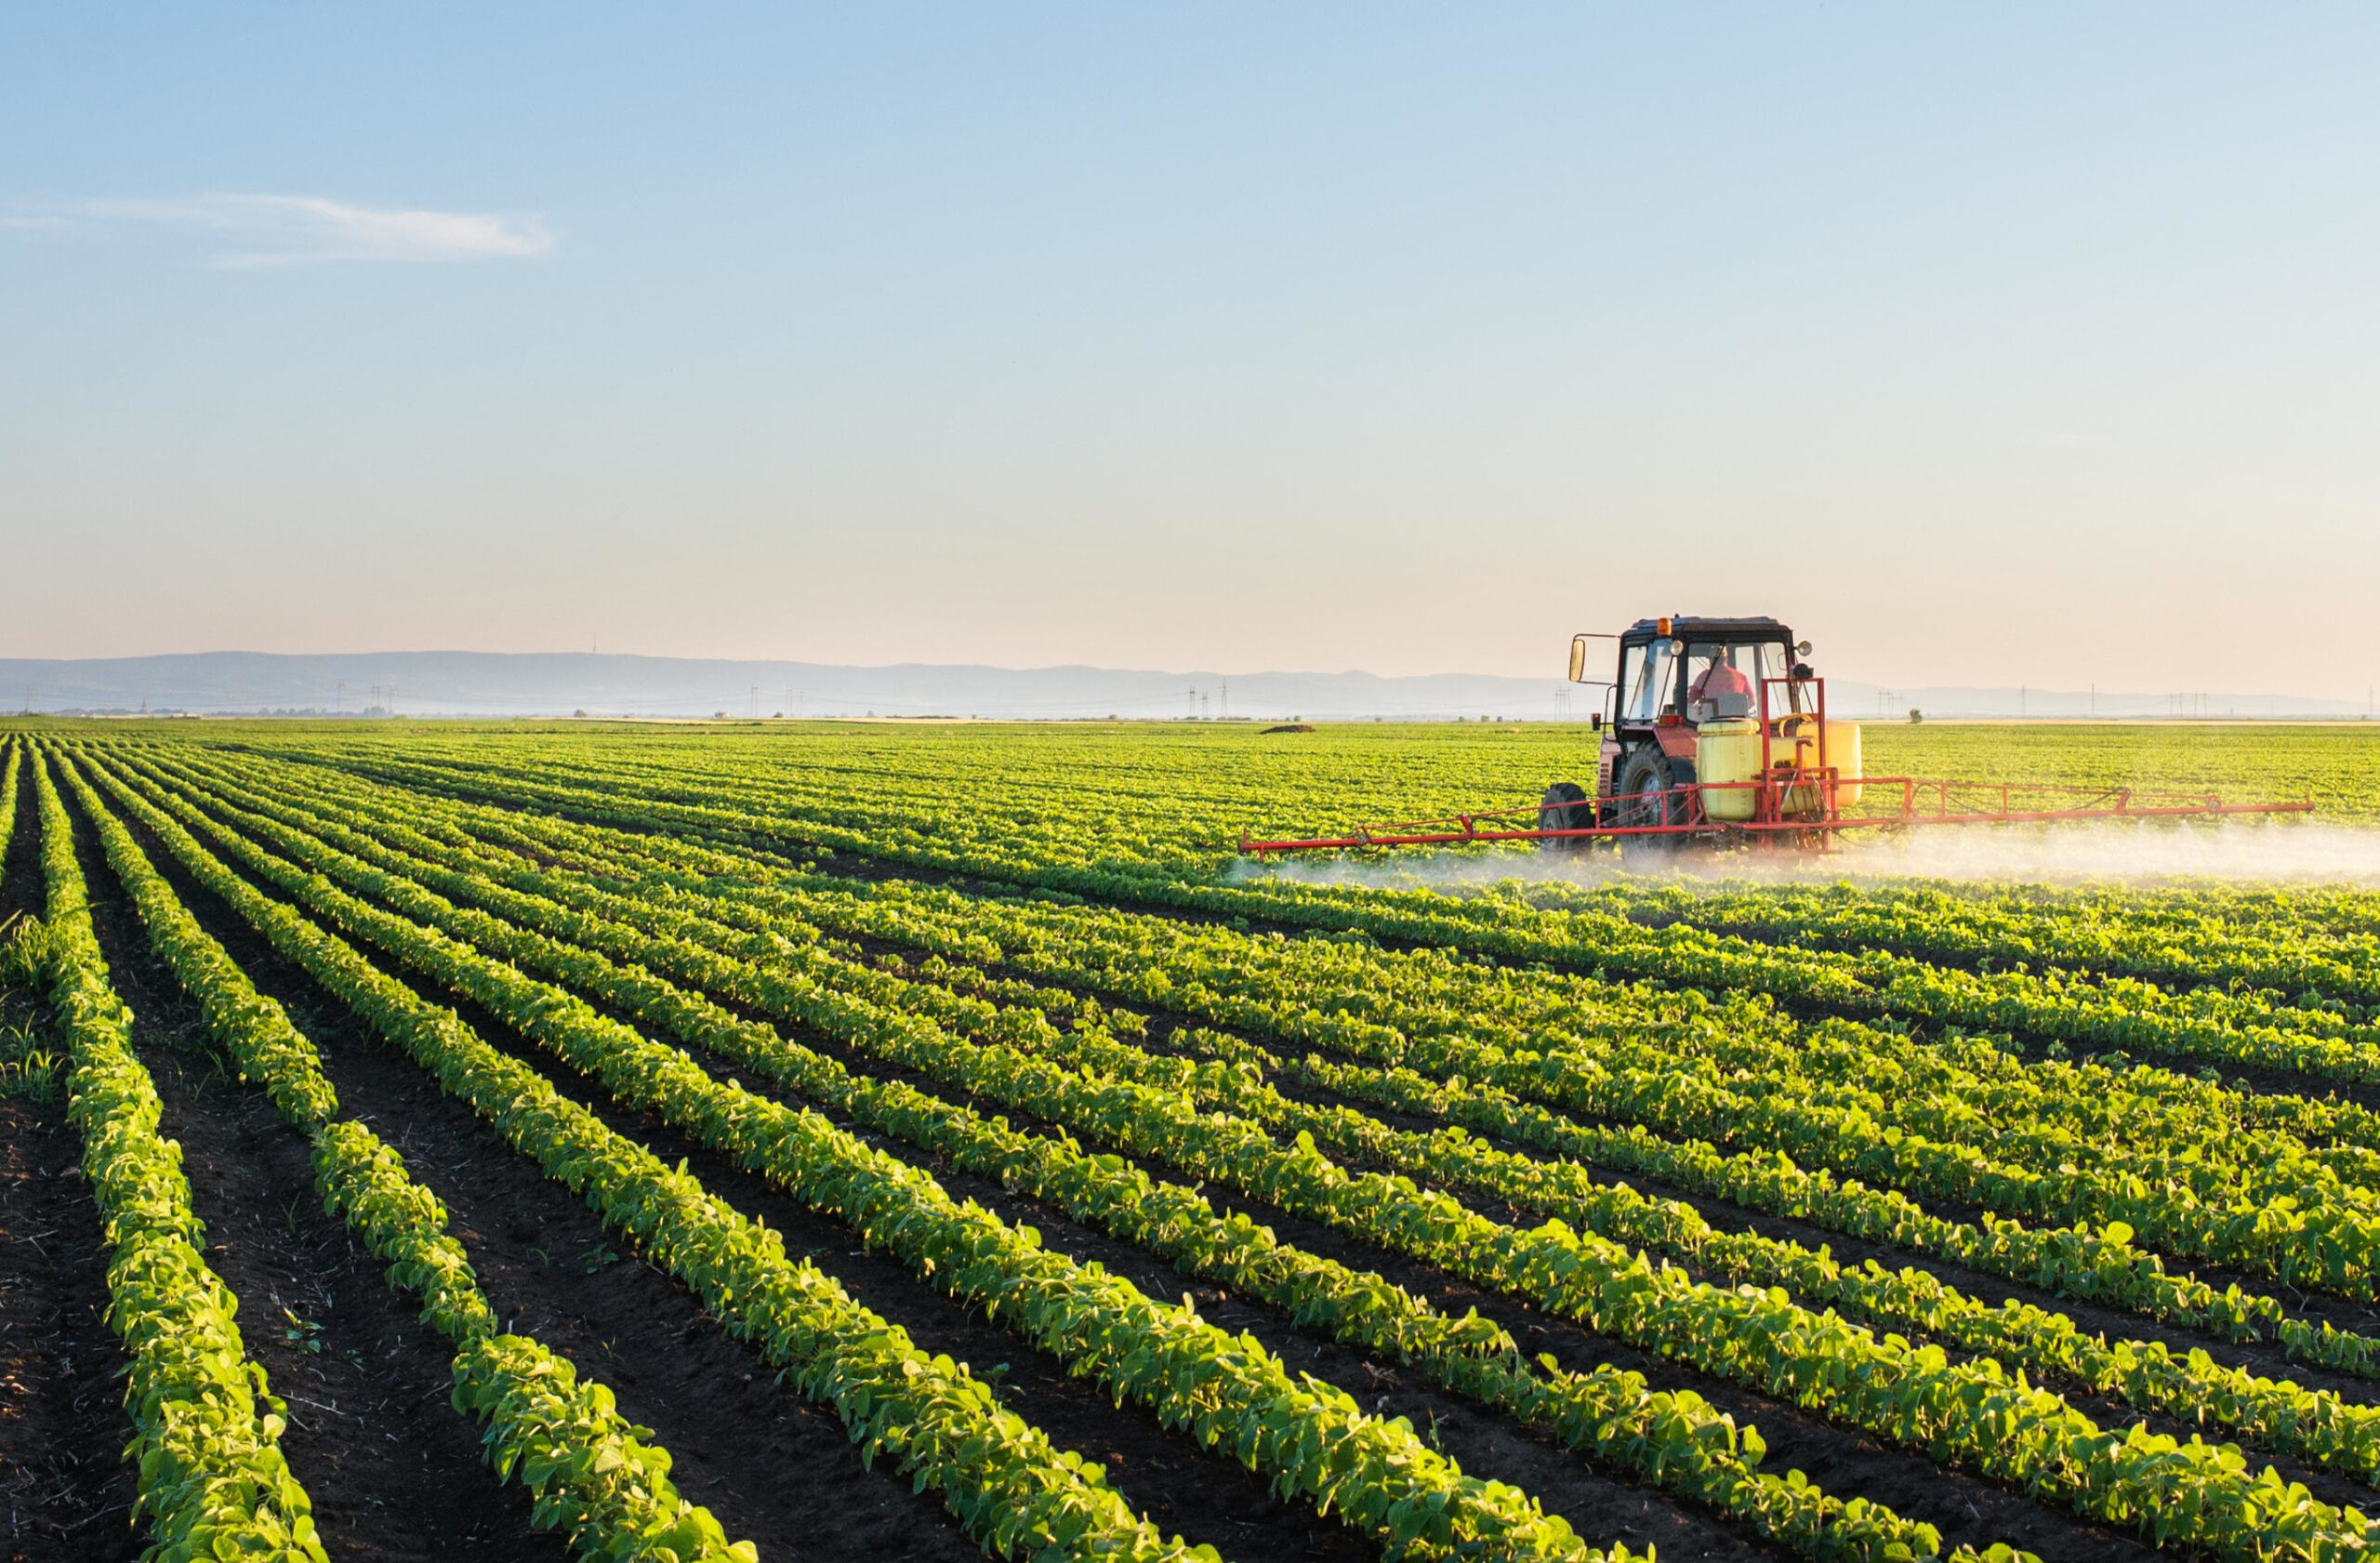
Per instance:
x=798, y=1140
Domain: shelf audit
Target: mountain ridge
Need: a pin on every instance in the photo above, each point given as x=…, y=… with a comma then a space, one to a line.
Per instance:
x=468, y=684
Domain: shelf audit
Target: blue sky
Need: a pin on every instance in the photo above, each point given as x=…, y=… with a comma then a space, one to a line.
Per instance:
x=1986, y=344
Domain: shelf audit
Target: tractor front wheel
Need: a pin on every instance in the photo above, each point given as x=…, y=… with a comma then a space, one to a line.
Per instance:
x=1566, y=806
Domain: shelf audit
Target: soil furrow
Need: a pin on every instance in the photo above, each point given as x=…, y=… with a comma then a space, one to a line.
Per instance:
x=394, y=1471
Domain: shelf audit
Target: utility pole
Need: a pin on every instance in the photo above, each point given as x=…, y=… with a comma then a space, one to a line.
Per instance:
x=1194, y=704
x=2021, y=702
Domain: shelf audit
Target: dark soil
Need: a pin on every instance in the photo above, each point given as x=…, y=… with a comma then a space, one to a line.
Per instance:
x=1481, y=1441
x=20, y=892
x=772, y=1467
x=1205, y=1494
x=393, y=1470
x=62, y=1427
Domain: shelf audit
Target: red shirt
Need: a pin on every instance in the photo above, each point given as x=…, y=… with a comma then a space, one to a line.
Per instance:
x=1719, y=679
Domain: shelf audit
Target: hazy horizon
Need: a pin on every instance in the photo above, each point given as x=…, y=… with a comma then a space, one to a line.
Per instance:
x=2029, y=345
x=501, y=683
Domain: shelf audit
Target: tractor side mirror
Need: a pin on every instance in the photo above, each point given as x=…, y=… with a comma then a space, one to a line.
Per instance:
x=1578, y=659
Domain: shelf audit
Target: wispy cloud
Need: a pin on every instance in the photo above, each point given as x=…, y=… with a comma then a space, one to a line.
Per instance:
x=301, y=230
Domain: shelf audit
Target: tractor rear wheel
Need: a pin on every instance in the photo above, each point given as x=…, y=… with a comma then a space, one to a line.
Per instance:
x=1645, y=788
x=1566, y=806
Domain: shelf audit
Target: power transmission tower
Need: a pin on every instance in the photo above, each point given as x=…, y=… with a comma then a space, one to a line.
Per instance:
x=1226, y=699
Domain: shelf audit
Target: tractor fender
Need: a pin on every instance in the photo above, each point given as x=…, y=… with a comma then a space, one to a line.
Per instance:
x=1678, y=744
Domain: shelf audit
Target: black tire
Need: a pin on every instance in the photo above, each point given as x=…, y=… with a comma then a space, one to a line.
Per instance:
x=1644, y=787
x=1567, y=806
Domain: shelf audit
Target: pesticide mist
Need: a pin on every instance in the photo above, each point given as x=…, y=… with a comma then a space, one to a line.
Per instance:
x=2139, y=853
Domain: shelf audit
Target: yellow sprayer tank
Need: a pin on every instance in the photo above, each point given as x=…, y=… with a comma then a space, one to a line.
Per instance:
x=1728, y=751
x=1799, y=743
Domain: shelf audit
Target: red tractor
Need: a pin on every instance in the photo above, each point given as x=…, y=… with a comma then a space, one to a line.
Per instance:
x=1716, y=729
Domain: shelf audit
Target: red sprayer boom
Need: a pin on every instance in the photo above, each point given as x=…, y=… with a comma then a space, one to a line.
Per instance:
x=1722, y=734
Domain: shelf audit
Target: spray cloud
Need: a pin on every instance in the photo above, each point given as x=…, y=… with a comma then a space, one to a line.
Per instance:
x=2168, y=854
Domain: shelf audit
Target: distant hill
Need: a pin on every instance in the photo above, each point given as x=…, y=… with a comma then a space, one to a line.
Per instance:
x=557, y=683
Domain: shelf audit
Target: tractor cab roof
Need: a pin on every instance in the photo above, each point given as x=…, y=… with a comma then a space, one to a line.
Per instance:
x=1721, y=632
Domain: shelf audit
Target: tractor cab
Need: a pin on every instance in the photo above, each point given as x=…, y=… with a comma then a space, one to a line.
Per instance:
x=1665, y=667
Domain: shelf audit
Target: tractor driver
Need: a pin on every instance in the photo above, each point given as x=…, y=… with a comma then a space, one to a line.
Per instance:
x=1721, y=693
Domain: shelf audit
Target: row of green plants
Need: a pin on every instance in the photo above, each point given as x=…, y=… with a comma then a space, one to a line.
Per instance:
x=2203, y=1025
x=592, y=1474
x=30, y=1063
x=1675, y=1439
x=945, y=1427
x=1311, y=1438
x=2127, y=1123
x=2192, y=1387
x=1966, y=1411
x=2199, y=1140
x=2095, y=1264
x=2085, y=1261
x=11, y=766
x=213, y=1481
x=2299, y=1232
x=2178, y=938
x=2136, y=1124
